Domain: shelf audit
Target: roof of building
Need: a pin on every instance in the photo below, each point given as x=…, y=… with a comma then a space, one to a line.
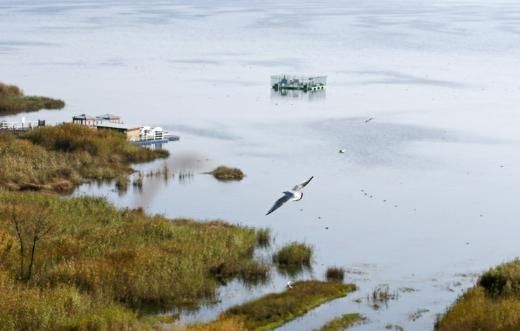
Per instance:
x=118, y=126
x=84, y=117
x=109, y=116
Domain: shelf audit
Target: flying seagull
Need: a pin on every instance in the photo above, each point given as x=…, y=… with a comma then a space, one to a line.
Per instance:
x=295, y=195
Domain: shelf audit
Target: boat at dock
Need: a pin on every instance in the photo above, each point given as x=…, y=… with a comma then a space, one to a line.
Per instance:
x=303, y=83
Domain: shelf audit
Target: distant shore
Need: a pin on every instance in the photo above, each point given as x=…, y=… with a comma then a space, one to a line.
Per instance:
x=13, y=101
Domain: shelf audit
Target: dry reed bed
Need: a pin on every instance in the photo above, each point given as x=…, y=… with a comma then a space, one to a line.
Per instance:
x=492, y=305
x=97, y=265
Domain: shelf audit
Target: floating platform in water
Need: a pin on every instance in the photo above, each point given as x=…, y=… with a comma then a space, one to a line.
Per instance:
x=167, y=137
x=303, y=83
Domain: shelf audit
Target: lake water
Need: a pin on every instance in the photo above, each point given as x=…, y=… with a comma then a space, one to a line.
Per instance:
x=439, y=162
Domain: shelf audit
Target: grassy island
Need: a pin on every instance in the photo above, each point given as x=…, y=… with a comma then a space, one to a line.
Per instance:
x=82, y=264
x=342, y=323
x=225, y=173
x=273, y=310
x=492, y=305
x=59, y=157
x=13, y=101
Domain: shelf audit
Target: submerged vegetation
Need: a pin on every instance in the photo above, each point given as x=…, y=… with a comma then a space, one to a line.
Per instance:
x=272, y=310
x=13, y=101
x=82, y=264
x=225, y=173
x=493, y=304
x=342, y=323
x=59, y=157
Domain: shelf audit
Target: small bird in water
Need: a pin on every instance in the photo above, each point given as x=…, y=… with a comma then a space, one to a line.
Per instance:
x=342, y=151
x=290, y=284
x=369, y=120
x=295, y=195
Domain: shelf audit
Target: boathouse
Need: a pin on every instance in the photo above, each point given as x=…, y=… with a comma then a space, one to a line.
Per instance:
x=132, y=132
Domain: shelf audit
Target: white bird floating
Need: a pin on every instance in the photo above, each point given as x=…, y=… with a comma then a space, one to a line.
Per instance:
x=295, y=195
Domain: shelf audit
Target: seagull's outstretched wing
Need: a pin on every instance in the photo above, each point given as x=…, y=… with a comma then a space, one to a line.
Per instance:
x=302, y=185
x=286, y=197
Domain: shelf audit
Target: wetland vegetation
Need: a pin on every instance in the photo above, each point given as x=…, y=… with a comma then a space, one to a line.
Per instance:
x=58, y=158
x=13, y=101
x=293, y=254
x=272, y=310
x=342, y=323
x=226, y=173
x=493, y=304
x=80, y=263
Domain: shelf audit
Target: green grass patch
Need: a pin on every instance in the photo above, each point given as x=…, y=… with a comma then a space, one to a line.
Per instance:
x=342, y=323
x=226, y=173
x=493, y=304
x=273, y=310
x=13, y=101
x=293, y=254
x=109, y=262
x=335, y=274
x=59, y=157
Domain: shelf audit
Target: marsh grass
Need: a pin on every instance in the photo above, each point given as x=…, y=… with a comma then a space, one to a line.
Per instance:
x=272, y=310
x=335, y=274
x=264, y=237
x=13, y=101
x=493, y=304
x=227, y=174
x=222, y=324
x=122, y=183
x=381, y=296
x=342, y=323
x=57, y=158
x=294, y=254
x=114, y=262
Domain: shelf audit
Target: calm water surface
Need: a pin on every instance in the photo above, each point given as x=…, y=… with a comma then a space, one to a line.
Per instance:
x=439, y=162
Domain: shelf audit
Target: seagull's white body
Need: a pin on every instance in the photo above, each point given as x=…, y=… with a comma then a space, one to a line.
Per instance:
x=295, y=195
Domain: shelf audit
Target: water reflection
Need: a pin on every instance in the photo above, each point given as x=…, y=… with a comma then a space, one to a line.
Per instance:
x=298, y=94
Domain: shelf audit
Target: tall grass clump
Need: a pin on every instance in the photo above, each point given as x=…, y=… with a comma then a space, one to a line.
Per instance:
x=335, y=274
x=503, y=280
x=225, y=173
x=492, y=304
x=293, y=254
x=263, y=237
x=13, y=100
x=272, y=310
x=117, y=261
